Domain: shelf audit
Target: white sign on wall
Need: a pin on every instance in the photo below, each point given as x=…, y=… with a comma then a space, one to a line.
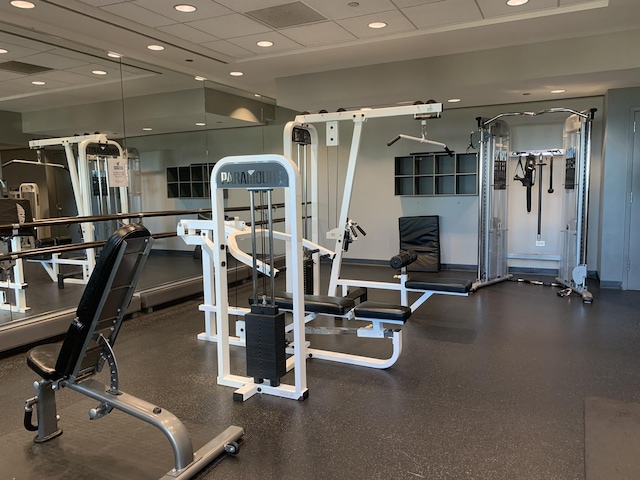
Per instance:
x=118, y=172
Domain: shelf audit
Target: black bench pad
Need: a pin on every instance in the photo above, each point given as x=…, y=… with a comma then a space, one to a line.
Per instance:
x=42, y=360
x=438, y=284
x=382, y=311
x=317, y=303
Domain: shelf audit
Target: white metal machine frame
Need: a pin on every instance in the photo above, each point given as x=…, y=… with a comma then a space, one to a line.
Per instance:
x=358, y=117
x=81, y=184
x=249, y=173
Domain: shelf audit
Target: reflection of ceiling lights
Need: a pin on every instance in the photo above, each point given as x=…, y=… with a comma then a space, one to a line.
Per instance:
x=147, y=129
x=114, y=55
x=200, y=79
x=21, y=4
x=185, y=8
x=453, y=100
x=4, y=50
x=265, y=43
x=155, y=48
x=560, y=90
x=516, y=3
x=377, y=25
x=38, y=82
x=98, y=72
x=236, y=74
x=201, y=124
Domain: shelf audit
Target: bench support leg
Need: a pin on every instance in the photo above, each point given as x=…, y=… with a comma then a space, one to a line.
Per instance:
x=370, y=362
x=47, y=412
x=184, y=459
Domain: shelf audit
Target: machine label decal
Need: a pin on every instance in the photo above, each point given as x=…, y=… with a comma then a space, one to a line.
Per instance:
x=262, y=175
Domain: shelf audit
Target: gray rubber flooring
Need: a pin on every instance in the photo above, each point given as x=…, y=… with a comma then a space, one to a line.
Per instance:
x=491, y=386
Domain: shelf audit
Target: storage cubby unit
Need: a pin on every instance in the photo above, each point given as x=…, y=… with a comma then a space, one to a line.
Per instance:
x=436, y=174
x=190, y=181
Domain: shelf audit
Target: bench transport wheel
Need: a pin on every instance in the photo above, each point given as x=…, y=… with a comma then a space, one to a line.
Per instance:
x=232, y=447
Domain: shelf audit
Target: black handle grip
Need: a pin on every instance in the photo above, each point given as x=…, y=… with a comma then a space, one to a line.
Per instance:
x=364, y=234
x=354, y=233
x=393, y=141
x=28, y=415
x=450, y=152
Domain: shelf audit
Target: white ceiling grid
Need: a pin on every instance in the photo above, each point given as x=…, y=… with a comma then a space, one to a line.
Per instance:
x=228, y=20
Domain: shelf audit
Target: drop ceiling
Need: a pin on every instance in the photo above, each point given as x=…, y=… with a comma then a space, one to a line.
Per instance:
x=312, y=37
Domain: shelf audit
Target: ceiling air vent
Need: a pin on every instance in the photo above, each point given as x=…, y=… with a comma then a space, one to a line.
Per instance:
x=24, y=68
x=287, y=15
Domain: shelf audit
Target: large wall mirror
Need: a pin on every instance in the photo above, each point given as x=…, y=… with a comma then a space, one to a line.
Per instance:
x=171, y=128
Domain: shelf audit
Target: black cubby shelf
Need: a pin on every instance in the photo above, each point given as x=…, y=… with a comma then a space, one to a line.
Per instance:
x=191, y=181
x=433, y=174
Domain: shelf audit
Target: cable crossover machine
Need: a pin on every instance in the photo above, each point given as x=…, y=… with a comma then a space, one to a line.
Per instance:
x=494, y=144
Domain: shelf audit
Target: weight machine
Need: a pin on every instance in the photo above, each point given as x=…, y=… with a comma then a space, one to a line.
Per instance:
x=94, y=157
x=494, y=147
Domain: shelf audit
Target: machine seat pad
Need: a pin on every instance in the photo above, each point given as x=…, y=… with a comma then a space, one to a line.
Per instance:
x=382, y=311
x=438, y=284
x=317, y=303
x=42, y=360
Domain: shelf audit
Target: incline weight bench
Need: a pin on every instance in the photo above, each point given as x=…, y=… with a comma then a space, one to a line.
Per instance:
x=88, y=345
x=375, y=314
x=424, y=284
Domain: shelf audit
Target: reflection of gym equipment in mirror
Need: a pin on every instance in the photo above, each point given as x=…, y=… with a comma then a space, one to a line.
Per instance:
x=494, y=144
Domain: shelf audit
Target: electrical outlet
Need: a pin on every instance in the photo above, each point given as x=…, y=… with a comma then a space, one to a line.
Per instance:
x=539, y=243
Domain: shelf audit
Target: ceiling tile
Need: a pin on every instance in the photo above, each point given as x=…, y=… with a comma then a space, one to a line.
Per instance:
x=336, y=10
x=15, y=52
x=413, y=3
x=50, y=60
x=491, y=8
x=138, y=14
x=101, y=3
x=83, y=57
x=5, y=75
x=188, y=33
x=396, y=22
x=112, y=71
x=573, y=2
x=227, y=48
x=24, y=42
x=248, y=5
x=318, y=34
x=443, y=13
x=280, y=43
x=229, y=26
x=69, y=77
x=29, y=87
x=205, y=9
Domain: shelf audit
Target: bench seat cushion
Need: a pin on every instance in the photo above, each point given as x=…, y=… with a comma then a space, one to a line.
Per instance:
x=317, y=303
x=42, y=360
x=438, y=284
x=382, y=311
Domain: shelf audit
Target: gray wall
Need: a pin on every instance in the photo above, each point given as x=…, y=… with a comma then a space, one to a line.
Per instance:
x=620, y=104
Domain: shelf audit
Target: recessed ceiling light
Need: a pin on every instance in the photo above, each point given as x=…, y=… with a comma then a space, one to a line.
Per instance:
x=265, y=43
x=21, y=4
x=201, y=124
x=453, y=100
x=98, y=72
x=257, y=95
x=4, y=50
x=377, y=25
x=155, y=48
x=516, y=3
x=236, y=74
x=38, y=82
x=185, y=8
x=560, y=90
x=114, y=55
x=200, y=79
x=147, y=129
